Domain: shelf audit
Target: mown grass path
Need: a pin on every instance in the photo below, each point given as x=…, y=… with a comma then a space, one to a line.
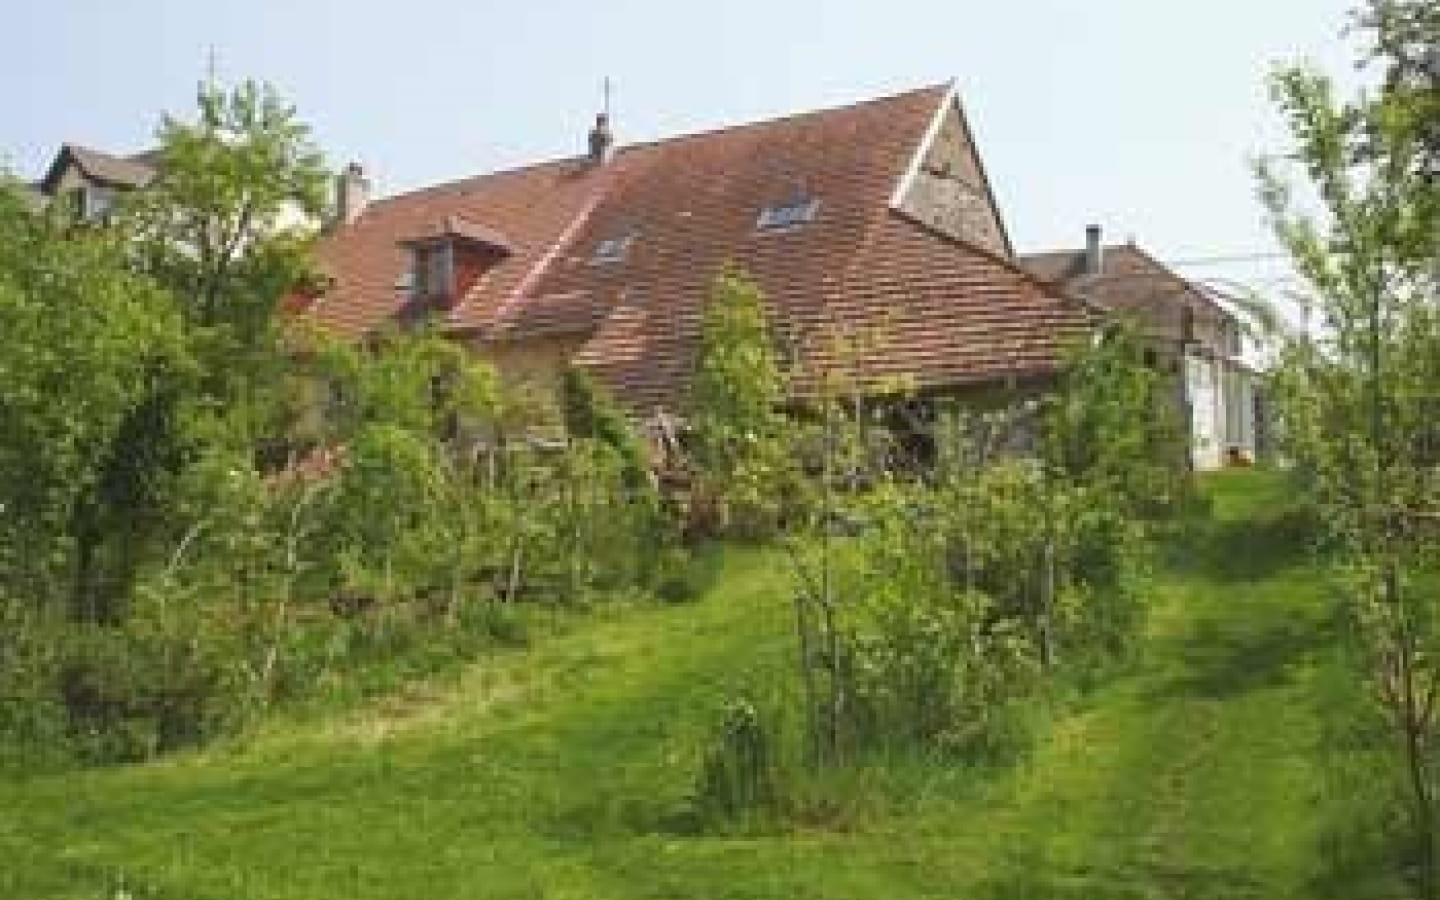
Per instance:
x=557, y=772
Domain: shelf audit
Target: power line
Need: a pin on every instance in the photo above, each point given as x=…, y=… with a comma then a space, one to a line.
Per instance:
x=1227, y=258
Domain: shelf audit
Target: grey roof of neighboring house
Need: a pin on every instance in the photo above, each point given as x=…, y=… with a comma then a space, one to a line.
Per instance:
x=106, y=168
x=1129, y=277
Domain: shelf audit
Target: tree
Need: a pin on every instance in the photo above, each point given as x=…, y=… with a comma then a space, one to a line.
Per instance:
x=1114, y=427
x=590, y=413
x=1360, y=396
x=399, y=515
x=92, y=359
x=227, y=226
x=736, y=422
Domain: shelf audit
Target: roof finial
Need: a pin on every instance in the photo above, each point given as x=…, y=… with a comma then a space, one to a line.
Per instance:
x=605, y=89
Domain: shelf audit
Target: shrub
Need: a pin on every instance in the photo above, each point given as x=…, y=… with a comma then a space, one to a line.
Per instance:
x=686, y=575
x=741, y=774
x=132, y=693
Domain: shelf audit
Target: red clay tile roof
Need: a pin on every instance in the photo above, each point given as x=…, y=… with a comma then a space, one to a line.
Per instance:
x=949, y=313
x=576, y=312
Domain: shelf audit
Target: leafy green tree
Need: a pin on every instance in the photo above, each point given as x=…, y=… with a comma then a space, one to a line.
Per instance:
x=1360, y=396
x=591, y=413
x=398, y=515
x=238, y=193
x=227, y=227
x=1113, y=425
x=93, y=358
x=737, y=426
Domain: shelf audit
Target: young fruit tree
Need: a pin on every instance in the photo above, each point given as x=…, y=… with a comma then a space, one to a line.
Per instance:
x=1361, y=390
x=737, y=425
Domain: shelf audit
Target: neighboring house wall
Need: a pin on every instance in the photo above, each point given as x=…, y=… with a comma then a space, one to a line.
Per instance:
x=950, y=193
x=98, y=197
x=1216, y=386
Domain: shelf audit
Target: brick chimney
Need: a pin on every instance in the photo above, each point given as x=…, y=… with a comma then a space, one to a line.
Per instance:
x=1094, y=251
x=602, y=141
x=352, y=193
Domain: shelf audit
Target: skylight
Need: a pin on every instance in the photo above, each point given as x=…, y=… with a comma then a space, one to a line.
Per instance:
x=788, y=215
x=613, y=249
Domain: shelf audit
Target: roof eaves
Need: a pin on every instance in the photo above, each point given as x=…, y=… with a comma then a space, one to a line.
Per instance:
x=1181, y=280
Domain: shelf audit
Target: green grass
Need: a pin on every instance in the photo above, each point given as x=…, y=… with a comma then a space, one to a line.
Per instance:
x=562, y=770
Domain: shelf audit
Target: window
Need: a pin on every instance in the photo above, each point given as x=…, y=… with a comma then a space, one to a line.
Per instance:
x=788, y=215
x=99, y=201
x=91, y=203
x=433, y=271
x=612, y=249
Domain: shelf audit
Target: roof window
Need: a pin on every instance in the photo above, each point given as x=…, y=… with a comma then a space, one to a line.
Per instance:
x=788, y=215
x=612, y=249
x=432, y=271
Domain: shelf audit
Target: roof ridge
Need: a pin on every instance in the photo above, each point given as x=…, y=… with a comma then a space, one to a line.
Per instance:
x=790, y=116
x=455, y=183
x=622, y=150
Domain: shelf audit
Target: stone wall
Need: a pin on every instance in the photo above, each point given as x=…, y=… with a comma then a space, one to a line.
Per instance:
x=949, y=191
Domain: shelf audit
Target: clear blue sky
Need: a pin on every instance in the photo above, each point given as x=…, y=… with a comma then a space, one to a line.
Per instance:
x=1138, y=114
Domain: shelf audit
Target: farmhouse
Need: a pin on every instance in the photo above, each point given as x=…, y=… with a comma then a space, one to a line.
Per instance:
x=874, y=221
x=869, y=226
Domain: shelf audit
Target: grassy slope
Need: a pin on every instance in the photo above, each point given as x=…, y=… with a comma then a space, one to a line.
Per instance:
x=557, y=772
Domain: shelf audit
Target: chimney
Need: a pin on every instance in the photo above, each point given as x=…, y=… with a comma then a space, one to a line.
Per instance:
x=352, y=193
x=1094, y=252
x=601, y=140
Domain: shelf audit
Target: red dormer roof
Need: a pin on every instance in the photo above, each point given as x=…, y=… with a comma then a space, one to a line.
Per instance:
x=461, y=230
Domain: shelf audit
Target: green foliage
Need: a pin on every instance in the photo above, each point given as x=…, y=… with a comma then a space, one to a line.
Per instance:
x=227, y=221
x=1196, y=773
x=92, y=358
x=688, y=574
x=1114, y=425
x=236, y=511
x=742, y=769
x=737, y=428
x=591, y=413
x=1358, y=394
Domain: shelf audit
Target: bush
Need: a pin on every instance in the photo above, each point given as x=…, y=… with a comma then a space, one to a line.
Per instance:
x=742, y=773
x=686, y=575
x=130, y=694
x=33, y=726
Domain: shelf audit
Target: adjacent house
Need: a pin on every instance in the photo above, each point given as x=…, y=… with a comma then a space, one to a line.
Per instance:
x=89, y=180
x=1189, y=332
x=873, y=220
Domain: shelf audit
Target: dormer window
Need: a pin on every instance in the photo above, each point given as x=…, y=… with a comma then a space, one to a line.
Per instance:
x=449, y=258
x=433, y=270
x=612, y=250
x=796, y=212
